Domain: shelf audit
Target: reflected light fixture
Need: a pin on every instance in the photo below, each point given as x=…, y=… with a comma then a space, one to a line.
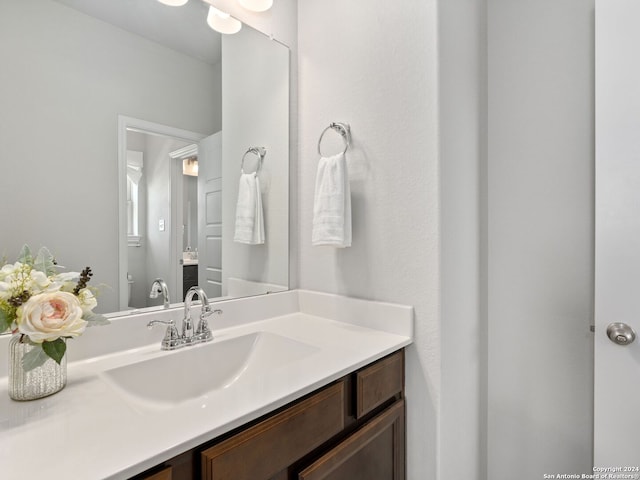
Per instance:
x=190, y=166
x=174, y=3
x=222, y=22
x=256, y=5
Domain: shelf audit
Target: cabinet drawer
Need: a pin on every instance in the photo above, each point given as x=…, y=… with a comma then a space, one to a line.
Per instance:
x=374, y=452
x=379, y=382
x=165, y=474
x=267, y=448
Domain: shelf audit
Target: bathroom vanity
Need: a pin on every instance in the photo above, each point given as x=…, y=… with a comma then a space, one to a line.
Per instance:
x=351, y=429
x=295, y=384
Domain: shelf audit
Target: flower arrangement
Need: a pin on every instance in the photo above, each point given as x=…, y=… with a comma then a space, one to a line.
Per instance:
x=45, y=306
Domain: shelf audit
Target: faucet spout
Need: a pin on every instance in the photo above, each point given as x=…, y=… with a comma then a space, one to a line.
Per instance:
x=187, y=324
x=160, y=286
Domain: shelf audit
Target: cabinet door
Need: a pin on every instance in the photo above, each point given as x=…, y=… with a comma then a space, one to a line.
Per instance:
x=374, y=452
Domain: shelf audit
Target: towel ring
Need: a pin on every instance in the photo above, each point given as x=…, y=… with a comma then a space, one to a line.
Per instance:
x=261, y=152
x=343, y=129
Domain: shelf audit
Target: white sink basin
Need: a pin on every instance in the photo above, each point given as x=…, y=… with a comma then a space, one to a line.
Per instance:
x=191, y=372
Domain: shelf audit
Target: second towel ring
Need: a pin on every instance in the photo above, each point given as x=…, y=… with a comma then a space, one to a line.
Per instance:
x=343, y=129
x=260, y=152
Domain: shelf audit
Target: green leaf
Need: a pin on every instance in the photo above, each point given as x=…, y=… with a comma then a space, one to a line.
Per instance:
x=45, y=262
x=25, y=255
x=33, y=359
x=95, y=319
x=5, y=321
x=55, y=349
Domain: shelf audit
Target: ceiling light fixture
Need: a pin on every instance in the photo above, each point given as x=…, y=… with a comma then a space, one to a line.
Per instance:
x=174, y=3
x=222, y=22
x=256, y=5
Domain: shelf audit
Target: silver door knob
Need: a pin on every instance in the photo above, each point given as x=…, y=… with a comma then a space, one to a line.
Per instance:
x=621, y=333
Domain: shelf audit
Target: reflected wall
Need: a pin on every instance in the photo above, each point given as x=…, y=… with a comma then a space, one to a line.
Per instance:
x=65, y=78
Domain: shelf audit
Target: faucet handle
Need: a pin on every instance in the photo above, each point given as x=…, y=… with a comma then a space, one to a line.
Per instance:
x=172, y=338
x=203, y=332
x=207, y=312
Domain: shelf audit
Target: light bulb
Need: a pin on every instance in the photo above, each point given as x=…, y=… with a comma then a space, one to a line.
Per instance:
x=222, y=22
x=256, y=5
x=174, y=3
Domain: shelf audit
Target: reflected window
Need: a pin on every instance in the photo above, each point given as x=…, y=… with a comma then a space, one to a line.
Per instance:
x=134, y=175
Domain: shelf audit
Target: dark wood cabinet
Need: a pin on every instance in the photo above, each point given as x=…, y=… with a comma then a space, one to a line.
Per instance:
x=164, y=474
x=264, y=450
x=376, y=451
x=352, y=429
x=378, y=383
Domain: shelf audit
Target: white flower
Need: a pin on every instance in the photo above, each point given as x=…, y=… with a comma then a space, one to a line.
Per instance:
x=12, y=279
x=38, y=281
x=10, y=270
x=5, y=291
x=66, y=282
x=48, y=316
x=87, y=301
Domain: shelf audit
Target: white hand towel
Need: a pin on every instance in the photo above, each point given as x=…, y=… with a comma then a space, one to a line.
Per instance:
x=249, y=216
x=332, y=203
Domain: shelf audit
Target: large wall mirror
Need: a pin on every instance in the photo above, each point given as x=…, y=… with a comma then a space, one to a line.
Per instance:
x=134, y=138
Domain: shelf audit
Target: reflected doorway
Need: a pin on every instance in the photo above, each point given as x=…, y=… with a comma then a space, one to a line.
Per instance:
x=158, y=210
x=150, y=223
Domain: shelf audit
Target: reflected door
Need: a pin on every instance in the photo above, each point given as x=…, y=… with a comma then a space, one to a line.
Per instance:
x=617, y=268
x=210, y=215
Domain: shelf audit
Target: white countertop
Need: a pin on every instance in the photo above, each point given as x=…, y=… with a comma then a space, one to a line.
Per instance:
x=93, y=430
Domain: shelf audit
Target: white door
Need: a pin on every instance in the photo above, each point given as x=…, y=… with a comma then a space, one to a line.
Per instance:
x=617, y=266
x=210, y=215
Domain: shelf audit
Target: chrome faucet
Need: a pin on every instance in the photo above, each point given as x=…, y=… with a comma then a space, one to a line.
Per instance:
x=174, y=340
x=202, y=332
x=160, y=286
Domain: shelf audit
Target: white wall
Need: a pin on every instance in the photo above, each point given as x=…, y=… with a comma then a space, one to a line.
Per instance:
x=255, y=113
x=64, y=79
x=373, y=65
x=540, y=237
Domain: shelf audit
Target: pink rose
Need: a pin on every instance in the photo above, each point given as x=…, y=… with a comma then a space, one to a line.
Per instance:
x=48, y=316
